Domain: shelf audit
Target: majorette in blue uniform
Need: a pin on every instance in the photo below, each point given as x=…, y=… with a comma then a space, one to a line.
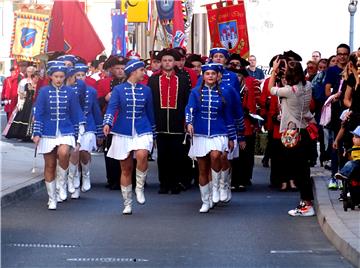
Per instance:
x=133, y=129
x=209, y=111
x=238, y=115
x=56, y=122
x=65, y=183
x=93, y=130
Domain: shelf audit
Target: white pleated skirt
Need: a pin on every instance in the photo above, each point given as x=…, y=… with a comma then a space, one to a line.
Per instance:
x=46, y=145
x=88, y=142
x=121, y=146
x=234, y=153
x=203, y=145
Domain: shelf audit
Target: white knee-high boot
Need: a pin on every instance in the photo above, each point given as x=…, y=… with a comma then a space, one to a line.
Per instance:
x=205, y=198
x=127, y=196
x=51, y=190
x=140, y=183
x=224, y=185
x=86, y=184
x=76, y=194
x=61, y=184
x=73, y=170
x=229, y=186
x=216, y=185
x=210, y=195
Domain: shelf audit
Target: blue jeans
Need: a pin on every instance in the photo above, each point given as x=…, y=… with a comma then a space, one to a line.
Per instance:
x=350, y=168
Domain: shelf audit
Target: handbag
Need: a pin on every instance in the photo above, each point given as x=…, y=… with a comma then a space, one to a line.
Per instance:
x=313, y=131
x=291, y=137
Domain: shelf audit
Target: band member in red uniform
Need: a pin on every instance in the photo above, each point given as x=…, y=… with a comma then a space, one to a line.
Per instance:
x=171, y=90
x=11, y=87
x=244, y=164
x=181, y=65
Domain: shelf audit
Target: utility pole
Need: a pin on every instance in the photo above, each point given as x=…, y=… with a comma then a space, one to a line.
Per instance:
x=352, y=10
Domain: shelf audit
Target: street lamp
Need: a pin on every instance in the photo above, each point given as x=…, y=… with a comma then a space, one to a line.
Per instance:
x=352, y=10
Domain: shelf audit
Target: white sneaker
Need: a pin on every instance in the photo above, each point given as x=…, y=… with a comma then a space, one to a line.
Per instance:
x=302, y=210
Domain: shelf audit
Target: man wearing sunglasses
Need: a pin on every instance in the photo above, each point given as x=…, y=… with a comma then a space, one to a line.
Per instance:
x=332, y=86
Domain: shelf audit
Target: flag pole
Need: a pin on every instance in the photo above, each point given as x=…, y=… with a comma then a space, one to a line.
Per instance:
x=165, y=35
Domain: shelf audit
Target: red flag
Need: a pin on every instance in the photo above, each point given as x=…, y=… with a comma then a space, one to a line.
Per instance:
x=72, y=32
x=228, y=27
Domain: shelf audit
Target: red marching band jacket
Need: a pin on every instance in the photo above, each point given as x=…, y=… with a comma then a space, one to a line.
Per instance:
x=249, y=105
x=274, y=111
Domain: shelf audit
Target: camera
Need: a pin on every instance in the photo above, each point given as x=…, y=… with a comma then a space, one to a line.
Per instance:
x=5, y=102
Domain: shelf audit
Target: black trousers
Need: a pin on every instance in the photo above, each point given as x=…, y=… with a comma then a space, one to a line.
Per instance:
x=242, y=167
x=171, y=159
x=297, y=165
x=113, y=170
x=277, y=173
x=268, y=149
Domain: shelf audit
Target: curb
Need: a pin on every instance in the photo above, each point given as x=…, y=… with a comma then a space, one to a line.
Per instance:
x=334, y=229
x=22, y=193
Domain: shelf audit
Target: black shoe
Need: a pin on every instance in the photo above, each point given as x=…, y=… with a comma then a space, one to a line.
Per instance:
x=115, y=187
x=163, y=190
x=265, y=163
x=175, y=190
x=182, y=187
x=242, y=188
x=249, y=183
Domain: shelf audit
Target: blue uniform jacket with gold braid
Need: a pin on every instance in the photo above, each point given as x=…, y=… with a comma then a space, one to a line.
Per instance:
x=92, y=112
x=57, y=112
x=210, y=113
x=136, y=110
x=237, y=111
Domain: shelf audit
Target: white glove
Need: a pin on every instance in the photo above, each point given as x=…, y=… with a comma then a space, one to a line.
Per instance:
x=20, y=104
x=81, y=130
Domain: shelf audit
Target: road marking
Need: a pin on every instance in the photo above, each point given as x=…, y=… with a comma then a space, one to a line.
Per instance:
x=107, y=260
x=309, y=251
x=40, y=245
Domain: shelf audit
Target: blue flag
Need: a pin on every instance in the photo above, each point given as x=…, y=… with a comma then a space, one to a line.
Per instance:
x=119, y=31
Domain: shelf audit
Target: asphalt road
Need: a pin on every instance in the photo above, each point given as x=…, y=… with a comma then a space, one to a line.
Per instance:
x=252, y=231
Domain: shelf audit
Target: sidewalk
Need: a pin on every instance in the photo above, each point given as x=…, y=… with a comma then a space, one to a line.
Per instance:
x=17, y=179
x=341, y=228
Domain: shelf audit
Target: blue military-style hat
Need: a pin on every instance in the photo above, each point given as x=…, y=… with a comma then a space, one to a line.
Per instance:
x=221, y=50
x=54, y=62
x=57, y=67
x=133, y=65
x=81, y=67
x=71, y=71
x=217, y=67
x=74, y=59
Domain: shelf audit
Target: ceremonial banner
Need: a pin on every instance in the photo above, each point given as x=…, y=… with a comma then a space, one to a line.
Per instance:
x=72, y=32
x=29, y=35
x=228, y=27
x=119, y=32
x=136, y=10
x=175, y=18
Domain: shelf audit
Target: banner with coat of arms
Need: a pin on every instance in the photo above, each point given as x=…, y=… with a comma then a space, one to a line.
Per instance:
x=29, y=35
x=228, y=27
